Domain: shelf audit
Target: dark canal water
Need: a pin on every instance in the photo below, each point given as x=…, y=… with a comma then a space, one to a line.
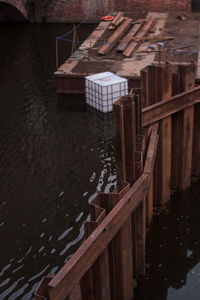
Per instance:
x=54, y=158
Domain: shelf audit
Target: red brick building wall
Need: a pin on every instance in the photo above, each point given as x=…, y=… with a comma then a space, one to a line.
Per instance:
x=21, y=5
x=75, y=10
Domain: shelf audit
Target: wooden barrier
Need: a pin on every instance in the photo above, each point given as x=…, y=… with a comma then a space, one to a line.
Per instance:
x=156, y=149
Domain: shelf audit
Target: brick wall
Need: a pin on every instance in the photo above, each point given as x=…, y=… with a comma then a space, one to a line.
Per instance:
x=21, y=5
x=75, y=10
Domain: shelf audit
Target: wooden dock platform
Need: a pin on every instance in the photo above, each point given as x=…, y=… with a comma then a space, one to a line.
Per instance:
x=183, y=48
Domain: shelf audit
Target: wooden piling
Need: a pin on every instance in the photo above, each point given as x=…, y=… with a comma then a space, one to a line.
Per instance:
x=95, y=284
x=182, y=135
x=196, y=142
x=156, y=80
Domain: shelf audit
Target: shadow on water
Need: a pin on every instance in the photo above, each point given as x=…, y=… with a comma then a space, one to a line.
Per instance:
x=173, y=262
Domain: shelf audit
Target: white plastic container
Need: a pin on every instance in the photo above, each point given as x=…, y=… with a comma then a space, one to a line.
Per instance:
x=103, y=89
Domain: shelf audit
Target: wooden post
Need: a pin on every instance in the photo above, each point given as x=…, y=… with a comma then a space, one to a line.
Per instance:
x=156, y=85
x=56, y=53
x=95, y=284
x=196, y=142
x=160, y=90
x=149, y=206
x=125, y=133
x=182, y=134
x=139, y=239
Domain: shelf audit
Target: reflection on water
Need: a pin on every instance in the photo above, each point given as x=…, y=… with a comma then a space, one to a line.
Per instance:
x=53, y=160
x=174, y=260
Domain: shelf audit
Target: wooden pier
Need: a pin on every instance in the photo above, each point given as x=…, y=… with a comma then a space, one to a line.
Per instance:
x=124, y=50
x=157, y=131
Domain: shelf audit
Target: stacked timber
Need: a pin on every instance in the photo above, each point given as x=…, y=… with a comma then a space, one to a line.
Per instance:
x=128, y=34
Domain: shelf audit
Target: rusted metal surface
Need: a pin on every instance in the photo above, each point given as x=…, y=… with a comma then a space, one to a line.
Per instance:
x=127, y=38
x=115, y=37
x=133, y=44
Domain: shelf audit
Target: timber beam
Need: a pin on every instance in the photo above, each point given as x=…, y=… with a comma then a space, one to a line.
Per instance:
x=163, y=109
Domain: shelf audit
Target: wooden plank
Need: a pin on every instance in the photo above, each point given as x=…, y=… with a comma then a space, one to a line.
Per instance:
x=151, y=153
x=125, y=132
x=166, y=108
x=95, y=284
x=127, y=38
x=139, y=227
x=186, y=157
x=138, y=114
x=162, y=87
x=91, y=248
x=119, y=141
x=187, y=82
x=123, y=265
x=196, y=142
x=149, y=204
x=139, y=239
x=165, y=165
x=144, y=87
x=115, y=37
x=182, y=124
x=133, y=44
x=175, y=134
x=117, y=20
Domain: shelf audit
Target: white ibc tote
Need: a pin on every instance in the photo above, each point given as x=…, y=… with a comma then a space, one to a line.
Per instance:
x=103, y=89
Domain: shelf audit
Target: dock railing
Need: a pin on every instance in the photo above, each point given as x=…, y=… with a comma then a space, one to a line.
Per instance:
x=148, y=167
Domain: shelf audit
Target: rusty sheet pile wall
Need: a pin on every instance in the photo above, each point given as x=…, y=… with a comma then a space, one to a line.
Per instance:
x=113, y=252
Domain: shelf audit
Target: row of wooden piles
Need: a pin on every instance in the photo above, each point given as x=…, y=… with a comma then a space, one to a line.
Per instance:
x=178, y=154
x=113, y=252
x=127, y=35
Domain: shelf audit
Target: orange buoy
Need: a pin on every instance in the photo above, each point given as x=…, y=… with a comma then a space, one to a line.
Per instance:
x=107, y=18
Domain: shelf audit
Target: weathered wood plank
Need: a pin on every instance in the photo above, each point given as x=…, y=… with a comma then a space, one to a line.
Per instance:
x=181, y=135
x=166, y=108
x=133, y=44
x=127, y=38
x=139, y=239
x=196, y=142
x=117, y=20
x=185, y=166
x=125, y=133
x=149, y=204
x=115, y=37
